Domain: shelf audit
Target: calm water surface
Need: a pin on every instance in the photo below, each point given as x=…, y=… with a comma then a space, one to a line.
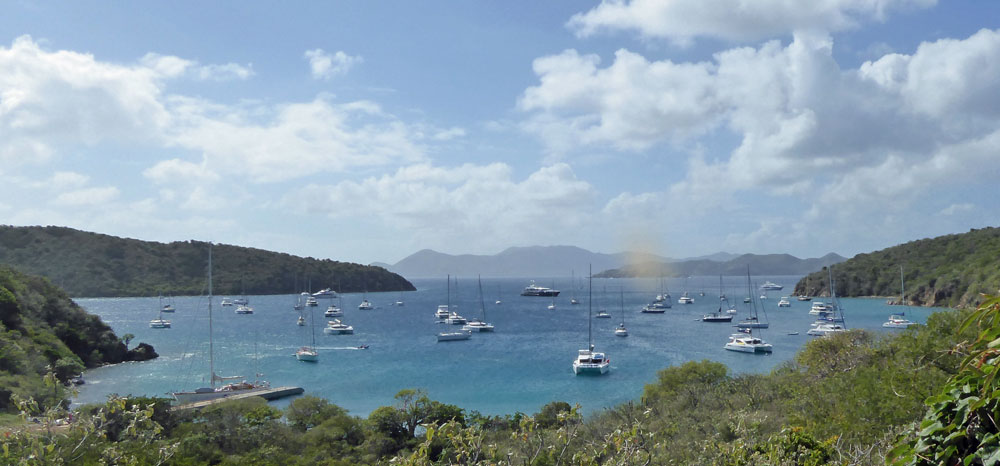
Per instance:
x=523, y=365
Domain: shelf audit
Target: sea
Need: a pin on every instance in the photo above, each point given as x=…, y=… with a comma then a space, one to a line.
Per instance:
x=523, y=365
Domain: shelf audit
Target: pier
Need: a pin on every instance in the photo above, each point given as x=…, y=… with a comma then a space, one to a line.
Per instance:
x=267, y=394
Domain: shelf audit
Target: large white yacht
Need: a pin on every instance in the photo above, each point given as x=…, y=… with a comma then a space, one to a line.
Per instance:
x=771, y=286
x=535, y=290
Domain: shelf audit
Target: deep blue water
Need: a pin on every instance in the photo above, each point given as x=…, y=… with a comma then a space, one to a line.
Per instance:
x=525, y=364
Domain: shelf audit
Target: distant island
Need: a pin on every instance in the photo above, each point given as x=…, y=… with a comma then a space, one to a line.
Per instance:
x=760, y=264
x=97, y=265
x=561, y=261
x=951, y=270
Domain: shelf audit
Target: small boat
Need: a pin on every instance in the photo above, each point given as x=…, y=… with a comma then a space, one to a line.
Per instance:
x=685, y=299
x=442, y=311
x=602, y=314
x=655, y=307
x=325, y=293
x=226, y=302
x=454, y=336
x=455, y=319
x=159, y=323
x=535, y=290
x=803, y=297
x=818, y=307
x=301, y=321
x=244, y=309
x=309, y=353
x=166, y=307
x=333, y=311
x=241, y=301
x=793, y=333
x=366, y=305
x=897, y=321
x=747, y=343
x=771, y=286
x=747, y=300
x=825, y=329
x=336, y=327
x=311, y=301
x=717, y=317
x=363, y=347
x=621, y=331
x=783, y=302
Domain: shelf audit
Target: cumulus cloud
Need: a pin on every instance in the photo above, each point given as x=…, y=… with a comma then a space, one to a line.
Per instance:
x=439, y=206
x=955, y=209
x=86, y=197
x=325, y=65
x=684, y=20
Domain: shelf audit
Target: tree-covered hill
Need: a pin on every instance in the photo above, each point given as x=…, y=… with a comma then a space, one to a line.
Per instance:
x=97, y=265
x=949, y=270
x=42, y=331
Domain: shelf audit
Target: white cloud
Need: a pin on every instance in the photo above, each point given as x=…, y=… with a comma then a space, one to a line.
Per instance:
x=86, y=197
x=325, y=66
x=67, y=180
x=682, y=21
x=957, y=209
x=225, y=72
x=172, y=171
x=439, y=207
x=449, y=134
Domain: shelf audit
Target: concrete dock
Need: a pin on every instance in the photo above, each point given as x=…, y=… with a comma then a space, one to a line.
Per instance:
x=266, y=393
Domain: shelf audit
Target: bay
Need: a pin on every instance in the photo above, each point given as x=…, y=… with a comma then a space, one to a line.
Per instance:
x=523, y=365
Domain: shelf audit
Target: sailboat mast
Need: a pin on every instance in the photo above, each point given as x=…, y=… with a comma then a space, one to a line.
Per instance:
x=621, y=302
x=211, y=347
x=902, y=287
x=590, y=308
x=482, y=302
x=449, y=293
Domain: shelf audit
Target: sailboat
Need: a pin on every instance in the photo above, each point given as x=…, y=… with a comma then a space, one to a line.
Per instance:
x=239, y=384
x=309, y=353
x=453, y=318
x=831, y=321
x=499, y=301
x=897, y=320
x=719, y=316
x=752, y=321
x=365, y=304
x=621, y=331
x=243, y=304
x=552, y=306
x=479, y=325
x=159, y=322
x=169, y=307
x=587, y=361
x=572, y=285
x=334, y=310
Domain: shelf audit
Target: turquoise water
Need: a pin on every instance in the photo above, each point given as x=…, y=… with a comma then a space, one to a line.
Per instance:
x=525, y=364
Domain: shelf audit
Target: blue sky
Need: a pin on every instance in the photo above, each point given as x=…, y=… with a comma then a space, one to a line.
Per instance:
x=365, y=131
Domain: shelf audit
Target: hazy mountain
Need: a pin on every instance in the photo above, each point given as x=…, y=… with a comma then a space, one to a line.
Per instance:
x=765, y=264
x=532, y=261
x=559, y=261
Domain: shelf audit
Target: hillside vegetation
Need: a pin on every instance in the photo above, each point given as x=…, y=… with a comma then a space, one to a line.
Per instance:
x=950, y=271
x=44, y=333
x=96, y=265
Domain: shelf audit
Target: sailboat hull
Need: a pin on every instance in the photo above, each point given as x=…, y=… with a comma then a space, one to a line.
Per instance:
x=591, y=369
x=203, y=394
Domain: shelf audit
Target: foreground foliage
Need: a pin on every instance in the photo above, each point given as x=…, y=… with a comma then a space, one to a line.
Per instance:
x=843, y=400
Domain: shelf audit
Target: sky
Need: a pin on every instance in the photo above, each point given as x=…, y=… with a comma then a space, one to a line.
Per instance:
x=366, y=131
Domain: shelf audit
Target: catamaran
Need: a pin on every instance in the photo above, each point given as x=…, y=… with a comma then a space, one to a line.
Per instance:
x=587, y=360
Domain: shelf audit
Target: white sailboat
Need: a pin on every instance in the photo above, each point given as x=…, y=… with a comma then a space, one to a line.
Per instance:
x=169, y=307
x=621, y=331
x=454, y=319
x=897, y=320
x=479, y=325
x=572, y=286
x=752, y=321
x=832, y=320
x=159, y=322
x=587, y=360
x=309, y=353
x=238, y=384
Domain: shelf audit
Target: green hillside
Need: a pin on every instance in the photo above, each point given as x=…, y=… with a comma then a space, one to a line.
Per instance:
x=42, y=331
x=949, y=270
x=96, y=265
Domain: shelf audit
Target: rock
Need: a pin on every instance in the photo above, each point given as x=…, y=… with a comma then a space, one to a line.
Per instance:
x=142, y=352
